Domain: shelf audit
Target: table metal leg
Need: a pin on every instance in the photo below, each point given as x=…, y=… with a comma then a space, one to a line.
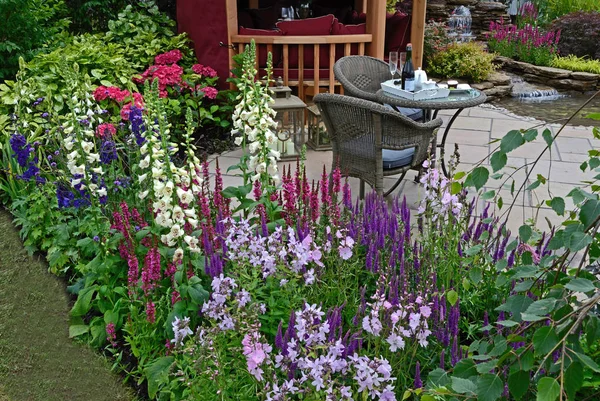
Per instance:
x=442, y=144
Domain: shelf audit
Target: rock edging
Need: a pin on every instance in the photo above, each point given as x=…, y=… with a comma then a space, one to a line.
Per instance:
x=554, y=77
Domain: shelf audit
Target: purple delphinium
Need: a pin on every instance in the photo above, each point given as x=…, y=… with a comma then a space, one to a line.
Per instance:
x=418, y=382
x=108, y=152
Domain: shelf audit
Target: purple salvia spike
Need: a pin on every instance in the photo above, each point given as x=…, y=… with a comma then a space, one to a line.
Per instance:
x=418, y=382
x=511, y=258
x=279, y=336
x=454, y=358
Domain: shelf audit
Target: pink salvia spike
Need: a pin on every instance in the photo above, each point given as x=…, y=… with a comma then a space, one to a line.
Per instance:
x=218, y=196
x=314, y=202
x=324, y=187
x=205, y=177
x=298, y=181
x=305, y=188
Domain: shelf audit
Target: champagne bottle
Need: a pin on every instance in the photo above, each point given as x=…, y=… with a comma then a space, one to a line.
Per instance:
x=408, y=71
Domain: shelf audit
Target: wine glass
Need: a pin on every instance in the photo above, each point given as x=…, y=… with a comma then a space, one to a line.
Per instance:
x=393, y=63
x=284, y=13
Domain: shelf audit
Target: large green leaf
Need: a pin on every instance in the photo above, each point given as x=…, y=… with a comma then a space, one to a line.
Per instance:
x=498, y=160
x=463, y=386
x=547, y=135
x=157, y=373
x=573, y=379
x=516, y=305
x=78, y=330
x=477, y=178
x=581, y=285
x=589, y=212
x=511, y=141
x=548, y=389
x=489, y=387
x=578, y=240
x=544, y=340
x=558, y=205
x=541, y=307
x=518, y=383
x=465, y=368
x=437, y=378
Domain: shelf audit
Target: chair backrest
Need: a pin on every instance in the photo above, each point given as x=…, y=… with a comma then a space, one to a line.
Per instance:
x=359, y=130
x=361, y=76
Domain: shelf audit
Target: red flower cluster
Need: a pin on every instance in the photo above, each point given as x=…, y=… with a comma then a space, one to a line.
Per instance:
x=204, y=70
x=170, y=57
x=110, y=92
x=105, y=131
x=168, y=75
x=209, y=91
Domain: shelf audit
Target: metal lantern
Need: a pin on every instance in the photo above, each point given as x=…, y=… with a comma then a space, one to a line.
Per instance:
x=290, y=122
x=318, y=137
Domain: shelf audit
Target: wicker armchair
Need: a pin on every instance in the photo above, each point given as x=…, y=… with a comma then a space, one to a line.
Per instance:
x=370, y=141
x=361, y=76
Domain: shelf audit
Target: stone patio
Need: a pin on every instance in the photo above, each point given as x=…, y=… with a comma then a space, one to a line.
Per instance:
x=473, y=131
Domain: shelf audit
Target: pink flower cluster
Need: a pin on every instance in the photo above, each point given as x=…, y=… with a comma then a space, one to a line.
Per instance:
x=208, y=91
x=204, y=70
x=111, y=92
x=528, y=35
x=167, y=75
x=170, y=57
x=106, y=131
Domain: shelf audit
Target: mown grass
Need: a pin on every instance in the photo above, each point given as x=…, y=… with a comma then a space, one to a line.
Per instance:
x=37, y=359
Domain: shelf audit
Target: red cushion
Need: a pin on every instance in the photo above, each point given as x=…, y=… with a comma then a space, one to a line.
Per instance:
x=397, y=32
x=307, y=27
x=262, y=49
x=341, y=29
x=358, y=18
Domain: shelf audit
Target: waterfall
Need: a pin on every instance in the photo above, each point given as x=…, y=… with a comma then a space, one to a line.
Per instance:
x=539, y=95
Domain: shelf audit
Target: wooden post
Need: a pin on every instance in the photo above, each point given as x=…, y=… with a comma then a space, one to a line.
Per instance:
x=232, y=29
x=359, y=5
x=417, y=33
x=376, y=27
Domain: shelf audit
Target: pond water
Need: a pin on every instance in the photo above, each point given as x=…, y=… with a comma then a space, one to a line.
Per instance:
x=553, y=109
x=546, y=104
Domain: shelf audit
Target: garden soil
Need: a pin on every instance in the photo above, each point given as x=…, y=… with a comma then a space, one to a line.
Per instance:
x=38, y=361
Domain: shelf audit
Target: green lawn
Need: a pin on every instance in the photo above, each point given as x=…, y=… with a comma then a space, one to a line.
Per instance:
x=38, y=361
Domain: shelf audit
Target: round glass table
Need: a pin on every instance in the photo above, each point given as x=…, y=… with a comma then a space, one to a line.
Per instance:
x=456, y=100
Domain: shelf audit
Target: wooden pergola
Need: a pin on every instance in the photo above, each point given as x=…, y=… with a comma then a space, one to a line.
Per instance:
x=372, y=43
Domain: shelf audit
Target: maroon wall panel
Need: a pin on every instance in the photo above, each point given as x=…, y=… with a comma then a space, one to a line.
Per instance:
x=205, y=21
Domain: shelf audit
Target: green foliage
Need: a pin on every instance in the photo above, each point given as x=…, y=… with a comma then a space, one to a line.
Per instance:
x=28, y=27
x=110, y=58
x=94, y=15
x=463, y=60
x=436, y=40
x=574, y=63
x=552, y=9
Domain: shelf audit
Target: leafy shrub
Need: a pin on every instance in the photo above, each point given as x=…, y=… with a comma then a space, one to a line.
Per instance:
x=94, y=15
x=552, y=9
x=463, y=60
x=580, y=34
x=26, y=29
x=436, y=39
x=110, y=58
x=574, y=63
